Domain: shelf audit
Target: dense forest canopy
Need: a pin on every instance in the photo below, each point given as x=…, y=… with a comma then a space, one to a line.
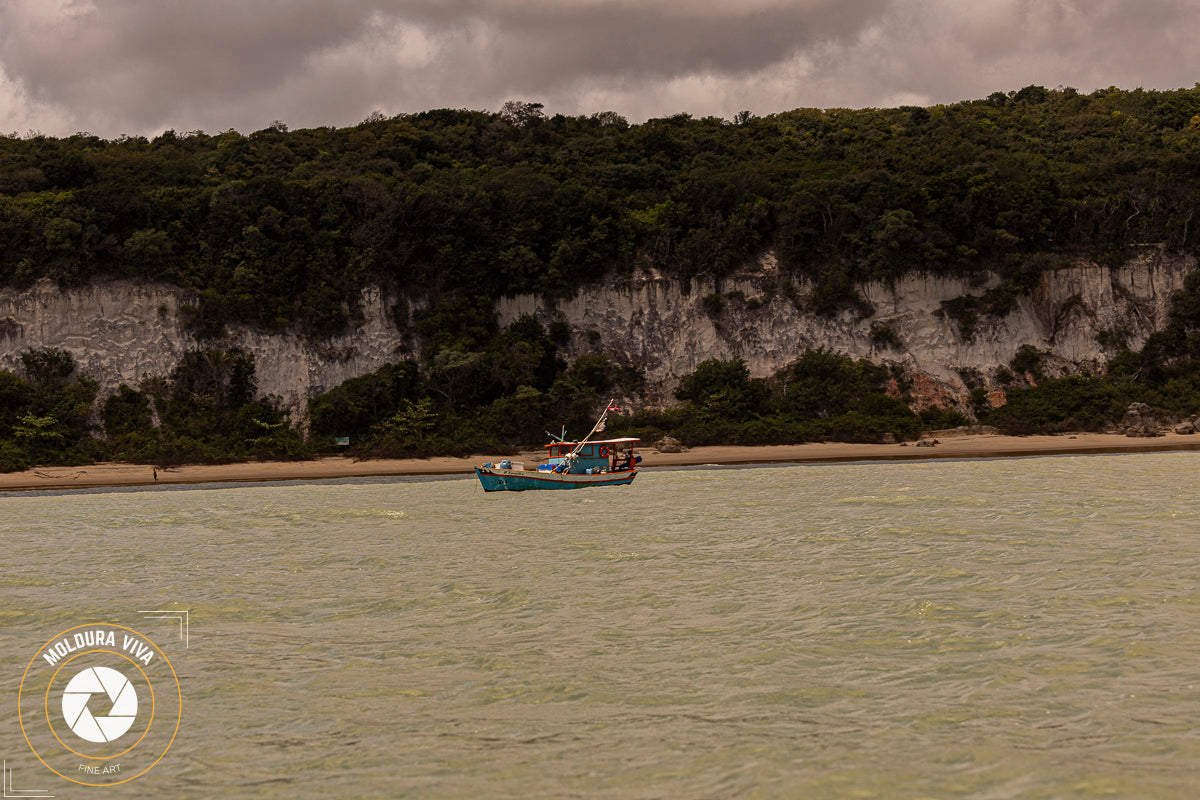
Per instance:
x=283, y=228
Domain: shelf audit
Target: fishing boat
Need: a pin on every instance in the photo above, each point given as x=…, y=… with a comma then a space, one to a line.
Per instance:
x=569, y=465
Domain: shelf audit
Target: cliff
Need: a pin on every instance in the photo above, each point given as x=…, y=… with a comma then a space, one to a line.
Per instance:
x=653, y=322
x=121, y=331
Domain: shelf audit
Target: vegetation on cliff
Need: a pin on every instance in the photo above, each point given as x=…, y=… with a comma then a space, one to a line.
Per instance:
x=282, y=229
x=505, y=395
x=1164, y=374
x=495, y=401
x=205, y=411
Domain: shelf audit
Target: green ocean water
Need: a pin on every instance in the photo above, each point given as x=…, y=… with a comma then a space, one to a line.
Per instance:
x=1015, y=628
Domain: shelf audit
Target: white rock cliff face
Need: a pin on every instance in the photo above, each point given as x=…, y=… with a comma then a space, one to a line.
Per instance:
x=654, y=323
x=122, y=331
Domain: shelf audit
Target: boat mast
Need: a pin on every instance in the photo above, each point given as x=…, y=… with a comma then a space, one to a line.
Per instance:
x=598, y=426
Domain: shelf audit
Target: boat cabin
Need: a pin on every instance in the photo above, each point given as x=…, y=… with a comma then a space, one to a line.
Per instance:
x=609, y=455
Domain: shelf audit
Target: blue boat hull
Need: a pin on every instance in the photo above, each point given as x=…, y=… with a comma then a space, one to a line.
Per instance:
x=511, y=480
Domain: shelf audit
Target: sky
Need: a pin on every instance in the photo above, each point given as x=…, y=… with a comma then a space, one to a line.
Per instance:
x=139, y=67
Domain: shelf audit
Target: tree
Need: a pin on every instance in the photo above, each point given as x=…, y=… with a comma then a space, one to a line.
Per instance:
x=722, y=388
x=357, y=405
x=408, y=429
x=822, y=384
x=521, y=114
x=49, y=368
x=452, y=372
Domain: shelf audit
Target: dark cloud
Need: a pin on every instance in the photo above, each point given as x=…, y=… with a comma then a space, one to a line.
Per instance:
x=545, y=44
x=943, y=50
x=139, y=66
x=134, y=60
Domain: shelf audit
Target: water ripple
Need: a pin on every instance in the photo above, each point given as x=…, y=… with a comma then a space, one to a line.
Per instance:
x=1013, y=628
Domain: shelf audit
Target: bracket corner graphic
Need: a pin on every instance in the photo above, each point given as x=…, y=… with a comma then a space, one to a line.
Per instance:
x=180, y=616
x=10, y=791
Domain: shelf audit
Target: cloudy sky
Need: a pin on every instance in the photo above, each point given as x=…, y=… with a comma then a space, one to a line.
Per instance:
x=139, y=67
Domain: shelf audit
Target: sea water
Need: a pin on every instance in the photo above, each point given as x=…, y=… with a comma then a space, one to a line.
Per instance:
x=1017, y=628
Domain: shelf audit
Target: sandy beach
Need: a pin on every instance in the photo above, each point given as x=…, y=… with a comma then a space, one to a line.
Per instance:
x=972, y=446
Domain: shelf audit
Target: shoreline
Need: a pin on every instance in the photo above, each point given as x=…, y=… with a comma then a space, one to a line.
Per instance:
x=334, y=467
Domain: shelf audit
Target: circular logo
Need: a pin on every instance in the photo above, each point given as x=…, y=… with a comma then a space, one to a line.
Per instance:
x=99, y=681
x=99, y=704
